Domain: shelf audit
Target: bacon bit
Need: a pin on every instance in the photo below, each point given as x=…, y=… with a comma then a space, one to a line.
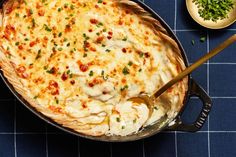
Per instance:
x=109, y=37
x=68, y=28
x=104, y=3
x=38, y=80
x=41, y=12
x=32, y=43
x=96, y=6
x=91, y=84
x=20, y=47
x=53, y=87
x=64, y=76
x=147, y=55
x=131, y=20
x=72, y=82
x=124, y=50
x=91, y=63
x=9, y=9
x=7, y=32
x=95, y=82
x=110, y=33
x=104, y=92
x=55, y=109
x=93, y=49
x=29, y=13
x=144, y=61
x=123, y=80
x=84, y=105
x=83, y=67
x=31, y=66
x=146, y=37
x=120, y=22
x=38, y=5
x=86, y=44
x=45, y=40
x=11, y=28
x=21, y=71
x=90, y=30
x=99, y=39
x=94, y=21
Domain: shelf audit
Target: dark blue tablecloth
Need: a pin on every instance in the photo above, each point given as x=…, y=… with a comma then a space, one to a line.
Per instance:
x=22, y=134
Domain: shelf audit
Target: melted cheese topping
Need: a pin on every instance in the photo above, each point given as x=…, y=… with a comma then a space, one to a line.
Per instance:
x=84, y=59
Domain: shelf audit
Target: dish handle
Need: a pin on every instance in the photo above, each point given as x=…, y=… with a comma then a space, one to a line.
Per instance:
x=198, y=91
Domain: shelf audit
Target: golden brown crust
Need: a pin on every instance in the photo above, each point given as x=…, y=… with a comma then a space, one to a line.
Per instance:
x=176, y=56
x=63, y=118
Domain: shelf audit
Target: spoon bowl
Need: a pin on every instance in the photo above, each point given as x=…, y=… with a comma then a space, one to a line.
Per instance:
x=219, y=24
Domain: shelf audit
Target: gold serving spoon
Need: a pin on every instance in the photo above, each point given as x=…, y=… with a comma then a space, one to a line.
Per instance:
x=149, y=100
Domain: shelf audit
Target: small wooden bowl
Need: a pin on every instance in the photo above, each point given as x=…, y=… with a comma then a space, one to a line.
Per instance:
x=219, y=24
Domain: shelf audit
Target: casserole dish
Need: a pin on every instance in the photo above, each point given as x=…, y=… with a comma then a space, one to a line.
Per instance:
x=193, y=88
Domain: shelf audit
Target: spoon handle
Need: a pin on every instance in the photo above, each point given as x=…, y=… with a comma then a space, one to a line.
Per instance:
x=195, y=65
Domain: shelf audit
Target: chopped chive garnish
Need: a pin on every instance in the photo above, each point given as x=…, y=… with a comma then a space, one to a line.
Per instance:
x=130, y=63
x=193, y=42
x=117, y=119
x=125, y=71
x=202, y=39
x=91, y=73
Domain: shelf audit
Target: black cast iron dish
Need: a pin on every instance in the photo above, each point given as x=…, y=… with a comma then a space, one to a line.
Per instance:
x=174, y=124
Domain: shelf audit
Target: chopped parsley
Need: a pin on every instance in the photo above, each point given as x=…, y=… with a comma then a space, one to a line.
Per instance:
x=17, y=43
x=117, y=119
x=60, y=34
x=99, y=1
x=103, y=45
x=51, y=71
x=26, y=39
x=17, y=15
x=59, y=9
x=47, y=28
x=72, y=7
x=123, y=127
x=125, y=39
x=202, y=39
x=38, y=54
x=60, y=49
x=85, y=55
x=99, y=24
x=139, y=70
x=141, y=54
x=91, y=73
x=31, y=11
x=124, y=88
x=33, y=22
x=135, y=120
x=125, y=71
x=102, y=73
x=193, y=42
x=35, y=97
x=130, y=63
x=68, y=72
x=107, y=50
x=57, y=101
x=155, y=108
